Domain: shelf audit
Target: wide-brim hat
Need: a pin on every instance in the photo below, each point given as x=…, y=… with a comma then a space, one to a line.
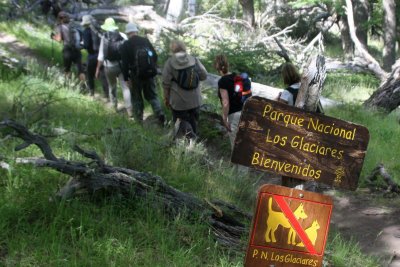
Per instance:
x=131, y=27
x=109, y=25
x=86, y=20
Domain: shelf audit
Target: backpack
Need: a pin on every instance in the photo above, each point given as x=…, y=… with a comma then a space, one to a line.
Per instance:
x=295, y=92
x=96, y=37
x=75, y=33
x=188, y=78
x=112, y=44
x=242, y=86
x=145, y=63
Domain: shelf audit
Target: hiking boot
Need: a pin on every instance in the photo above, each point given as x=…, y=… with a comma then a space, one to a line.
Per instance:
x=161, y=119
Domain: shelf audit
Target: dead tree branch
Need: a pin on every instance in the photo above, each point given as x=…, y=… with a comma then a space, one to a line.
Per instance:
x=381, y=171
x=227, y=222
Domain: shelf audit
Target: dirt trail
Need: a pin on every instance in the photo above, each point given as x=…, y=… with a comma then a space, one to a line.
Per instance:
x=376, y=227
x=11, y=44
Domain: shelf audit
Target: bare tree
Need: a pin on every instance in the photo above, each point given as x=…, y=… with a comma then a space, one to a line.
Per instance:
x=347, y=44
x=361, y=16
x=389, y=34
x=370, y=61
x=248, y=11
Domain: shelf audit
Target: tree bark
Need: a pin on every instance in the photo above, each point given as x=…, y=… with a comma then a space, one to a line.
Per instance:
x=347, y=44
x=312, y=83
x=227, y=222
x=248, y=11
x=387, y=97
x=389, y=34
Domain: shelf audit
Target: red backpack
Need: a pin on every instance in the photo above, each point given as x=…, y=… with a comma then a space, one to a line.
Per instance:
x=242, y=86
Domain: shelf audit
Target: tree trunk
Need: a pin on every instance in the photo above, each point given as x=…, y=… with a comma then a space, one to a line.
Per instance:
x=347, y=44
x=248, y=11
x=389, y=34
x=387, y=97
x=371, y=62
x=312, y=83
x=175, y=10
x=361, y=17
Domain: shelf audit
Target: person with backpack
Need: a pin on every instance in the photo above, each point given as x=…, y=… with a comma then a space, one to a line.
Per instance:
x=231, y=95
x=139, y=67
x=291, y=78
x=91, y=42
x=181, y=78
x=110, y=57
x=68, y=33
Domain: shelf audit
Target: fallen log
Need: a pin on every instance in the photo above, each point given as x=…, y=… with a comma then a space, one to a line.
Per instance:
x=387, y=97
x=381, y=171
x=227, y=222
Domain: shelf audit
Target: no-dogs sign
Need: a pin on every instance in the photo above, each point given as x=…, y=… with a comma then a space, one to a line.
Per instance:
x=290, y=228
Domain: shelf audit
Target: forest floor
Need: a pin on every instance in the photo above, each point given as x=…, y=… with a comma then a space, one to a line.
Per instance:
x=367, y=218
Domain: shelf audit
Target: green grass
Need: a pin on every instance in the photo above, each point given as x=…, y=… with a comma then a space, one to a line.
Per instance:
x=347, y=253
x=383, y=145
x=349, y=88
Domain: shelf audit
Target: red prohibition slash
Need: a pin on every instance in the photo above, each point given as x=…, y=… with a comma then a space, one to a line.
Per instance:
x=295, y=224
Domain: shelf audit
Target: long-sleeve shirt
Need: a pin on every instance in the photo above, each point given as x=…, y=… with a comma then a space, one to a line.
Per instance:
x=179, y=98
x=128, y=53
x=100, y=57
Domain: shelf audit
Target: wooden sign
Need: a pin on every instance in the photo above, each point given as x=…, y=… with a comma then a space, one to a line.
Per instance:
x=290, y=228
x=289, y=141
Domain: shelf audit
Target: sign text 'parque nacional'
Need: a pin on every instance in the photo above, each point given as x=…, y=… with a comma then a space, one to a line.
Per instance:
x=290, y=228
x=289, y=141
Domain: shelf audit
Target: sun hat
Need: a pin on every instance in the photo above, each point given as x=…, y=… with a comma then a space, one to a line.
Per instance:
x=109, y=25
x=86, y=20
x=131, y=27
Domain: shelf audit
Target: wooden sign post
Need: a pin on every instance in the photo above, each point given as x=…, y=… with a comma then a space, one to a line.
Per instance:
x=289, y=141
x=290, y=228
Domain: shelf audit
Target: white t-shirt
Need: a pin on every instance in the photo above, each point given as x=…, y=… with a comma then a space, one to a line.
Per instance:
x=100, y=57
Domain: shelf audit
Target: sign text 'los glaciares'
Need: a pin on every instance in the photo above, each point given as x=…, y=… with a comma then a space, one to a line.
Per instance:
x=289, y=141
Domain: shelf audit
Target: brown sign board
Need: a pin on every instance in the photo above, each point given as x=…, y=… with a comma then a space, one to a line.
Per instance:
x=286, y=140
x=290, y=228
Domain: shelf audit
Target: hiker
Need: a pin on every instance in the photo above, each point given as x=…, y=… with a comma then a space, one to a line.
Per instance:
x=91, y=42
x=291, y=78
x=110, y=57
x=231, y=102
x=139, y=67
x=67, y=33
x=181, y=78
